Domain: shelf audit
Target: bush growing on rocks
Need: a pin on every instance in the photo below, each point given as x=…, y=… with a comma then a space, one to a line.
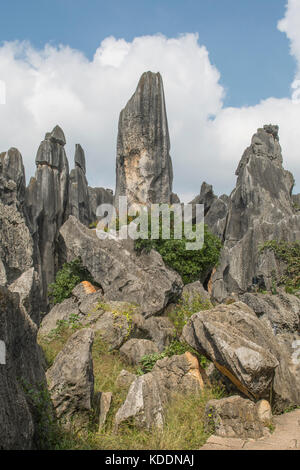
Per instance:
x=67, y=278
x=289, y=253
x=192, y=265
x=175, y=348
x=185, y=308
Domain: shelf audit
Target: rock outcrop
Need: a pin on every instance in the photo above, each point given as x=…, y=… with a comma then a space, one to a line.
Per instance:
x=149, y=394
x=21, y=377
x=12, y=177
x=16, y=244
x=234, y=417
x=245, y=350
x=71, y=380
x=111, y=319
x=215, y=209
x=160, y=330
x=144, y=167
x=260, y=209
x=28, y=288
x=98, y=196
x=140, y=279
x=46, y=200
x=135, y=349
x=78, y=200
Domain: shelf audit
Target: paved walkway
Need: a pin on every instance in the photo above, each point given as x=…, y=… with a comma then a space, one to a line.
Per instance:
x=285, y=437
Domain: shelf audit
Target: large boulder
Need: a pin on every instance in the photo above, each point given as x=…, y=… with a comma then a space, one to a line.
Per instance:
x=233, y=417
x=122, y=273
x=160, y=330
x=135, y=349
x=144, y=167
x=71, y=380
x=245, y=350
x=149, y=394
x=260, y=208
x=112, y=319
x=16, y=245
x=281, y=312
x=12, y=177
x=28, y=288
x=21, y=377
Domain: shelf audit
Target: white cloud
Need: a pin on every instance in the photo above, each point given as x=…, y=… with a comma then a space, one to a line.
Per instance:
x=61, y=86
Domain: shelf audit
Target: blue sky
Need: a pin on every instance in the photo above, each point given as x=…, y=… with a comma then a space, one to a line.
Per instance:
x=227, y=67
x=240, y=35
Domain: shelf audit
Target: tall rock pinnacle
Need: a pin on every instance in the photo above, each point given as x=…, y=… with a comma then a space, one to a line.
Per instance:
x=260, y=208
x=78, y=203
x=144, y=167
x=46, y=200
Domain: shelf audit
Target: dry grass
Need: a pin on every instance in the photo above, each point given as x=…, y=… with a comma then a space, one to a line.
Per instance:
x=184, y=417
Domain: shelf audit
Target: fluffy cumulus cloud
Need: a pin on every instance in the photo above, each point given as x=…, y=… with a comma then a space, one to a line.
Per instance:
x=61, y=86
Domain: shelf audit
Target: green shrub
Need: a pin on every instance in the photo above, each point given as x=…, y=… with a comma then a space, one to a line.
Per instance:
x=289, y=253
x=185, y=308
x=175, y=348
x=66, y=279
x=192, y=265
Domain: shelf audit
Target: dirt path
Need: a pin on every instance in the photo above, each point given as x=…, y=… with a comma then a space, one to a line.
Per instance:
x=285, y=437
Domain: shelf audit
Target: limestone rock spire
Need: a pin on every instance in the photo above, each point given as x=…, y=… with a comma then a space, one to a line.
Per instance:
x=144, y=168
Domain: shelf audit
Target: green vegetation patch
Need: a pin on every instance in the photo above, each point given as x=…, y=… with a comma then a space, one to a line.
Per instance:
x=66, y=279
x=192, y=265
x=289, y=253
x=185, y=308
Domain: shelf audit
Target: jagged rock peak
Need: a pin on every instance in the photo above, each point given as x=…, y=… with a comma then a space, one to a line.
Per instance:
x=12, y=175
x=51, y=150
x=264, y=143
x=80, y=157
x=57, y=135
x=144, y=167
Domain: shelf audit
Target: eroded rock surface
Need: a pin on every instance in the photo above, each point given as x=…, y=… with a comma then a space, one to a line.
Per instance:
x=149, y=393
x=260, y=209
x=123, y=275
x=20, y=371
x=144, y=167
x=134, y=349
x=46, y=201
x=245, y=350
x=71, y=380
x=78, y=200
x=233, y=417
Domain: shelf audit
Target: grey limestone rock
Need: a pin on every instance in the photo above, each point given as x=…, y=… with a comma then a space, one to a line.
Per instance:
x=149, y=394
x=46, y=201
x=71, y=380
x=28, y=288
x=20, y=372
x=245, y=350
x=233, y=417
x=260, y=209
x=78, y=200
x=134, y=349
x=144, y=167
x=123, y=275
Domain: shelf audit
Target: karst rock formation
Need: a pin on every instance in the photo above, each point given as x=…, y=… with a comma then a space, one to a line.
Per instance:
x=260, y=208
x=144, y=167
x=247, y=334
